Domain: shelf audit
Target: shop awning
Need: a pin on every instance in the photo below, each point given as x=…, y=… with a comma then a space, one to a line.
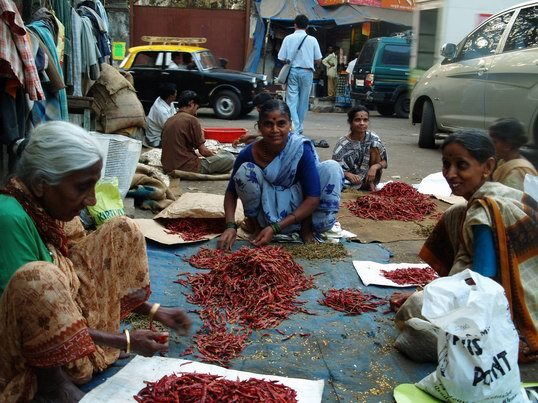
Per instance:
x=346, y=14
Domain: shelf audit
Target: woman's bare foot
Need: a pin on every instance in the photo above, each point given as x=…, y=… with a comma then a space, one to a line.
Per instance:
x=53, y=385
x=306, y=231
x=251, y=226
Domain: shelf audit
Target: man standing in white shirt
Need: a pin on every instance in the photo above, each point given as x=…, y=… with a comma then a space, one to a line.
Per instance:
x=162, y=109
x=300, y=79
x=350, y=68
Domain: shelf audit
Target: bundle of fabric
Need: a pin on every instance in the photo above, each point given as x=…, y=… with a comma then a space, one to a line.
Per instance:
x=115, y=103
x=149, y=190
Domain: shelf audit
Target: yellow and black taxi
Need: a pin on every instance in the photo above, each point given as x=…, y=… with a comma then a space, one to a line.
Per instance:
x=183, y=62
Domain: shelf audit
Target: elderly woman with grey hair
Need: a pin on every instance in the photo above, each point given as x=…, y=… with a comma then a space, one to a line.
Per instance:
x=63, y=291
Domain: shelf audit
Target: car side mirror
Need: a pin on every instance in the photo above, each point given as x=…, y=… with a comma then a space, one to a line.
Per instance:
x=449, y=50
x=223, y=62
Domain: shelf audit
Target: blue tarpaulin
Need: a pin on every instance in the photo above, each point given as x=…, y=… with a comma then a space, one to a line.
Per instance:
x=353, y=354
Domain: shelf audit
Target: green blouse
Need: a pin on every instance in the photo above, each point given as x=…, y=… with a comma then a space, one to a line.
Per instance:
x=20, y=242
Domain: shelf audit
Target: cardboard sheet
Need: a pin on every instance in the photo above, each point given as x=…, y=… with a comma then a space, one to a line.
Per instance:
x=370, y=272
x=194, y=205
x=127, y=382
x=157, y=232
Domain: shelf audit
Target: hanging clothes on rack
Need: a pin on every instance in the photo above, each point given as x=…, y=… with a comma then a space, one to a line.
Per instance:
x=89, y=9
x=18, y=74
x=62, y=11
x=56, y=102
x=74, y=66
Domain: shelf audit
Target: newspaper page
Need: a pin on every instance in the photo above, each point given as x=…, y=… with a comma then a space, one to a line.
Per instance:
x=121, y=158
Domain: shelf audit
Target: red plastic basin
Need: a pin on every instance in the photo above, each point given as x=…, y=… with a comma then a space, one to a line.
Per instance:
x=224, y=134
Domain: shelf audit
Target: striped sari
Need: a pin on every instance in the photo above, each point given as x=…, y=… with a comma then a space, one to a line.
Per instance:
x=513, y=218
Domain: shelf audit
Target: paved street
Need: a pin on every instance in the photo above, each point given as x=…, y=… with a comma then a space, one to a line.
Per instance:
x=406, y=160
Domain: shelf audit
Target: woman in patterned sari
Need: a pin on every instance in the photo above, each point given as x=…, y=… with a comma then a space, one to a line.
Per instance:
x=361, y=153
x=64, y=292
x=282, y=184
x=494, y=234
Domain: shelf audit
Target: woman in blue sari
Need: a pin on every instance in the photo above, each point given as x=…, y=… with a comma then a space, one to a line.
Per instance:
x=282, y=184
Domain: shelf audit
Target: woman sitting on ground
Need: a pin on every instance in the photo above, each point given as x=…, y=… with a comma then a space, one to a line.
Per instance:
x=281, y=183
x=508, y=135
x=494, y=234
x=360, y=153
x=65, y=292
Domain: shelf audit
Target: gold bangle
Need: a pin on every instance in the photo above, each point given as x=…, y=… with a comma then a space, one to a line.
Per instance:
x=128, y=339
x=153, y=311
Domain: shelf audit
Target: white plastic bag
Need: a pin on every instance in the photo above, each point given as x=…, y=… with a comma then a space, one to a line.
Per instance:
x=477, y=342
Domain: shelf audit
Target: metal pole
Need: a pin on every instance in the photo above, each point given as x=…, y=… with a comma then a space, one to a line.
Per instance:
x=264, y=48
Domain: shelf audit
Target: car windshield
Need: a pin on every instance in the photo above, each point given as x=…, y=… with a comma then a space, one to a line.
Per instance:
x=207, y=60
x=367, y=53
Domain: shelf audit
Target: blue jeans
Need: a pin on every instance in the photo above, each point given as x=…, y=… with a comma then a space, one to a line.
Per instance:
x=297, y=95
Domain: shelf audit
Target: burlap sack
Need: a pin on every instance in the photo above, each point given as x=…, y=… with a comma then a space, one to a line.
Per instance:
x=115, y=102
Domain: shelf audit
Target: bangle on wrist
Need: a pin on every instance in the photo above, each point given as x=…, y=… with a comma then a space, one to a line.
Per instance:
x=231, y=224
x=128, y=340
x=276, y=228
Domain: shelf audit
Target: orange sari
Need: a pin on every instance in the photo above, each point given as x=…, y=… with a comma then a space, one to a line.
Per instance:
x=46, y=309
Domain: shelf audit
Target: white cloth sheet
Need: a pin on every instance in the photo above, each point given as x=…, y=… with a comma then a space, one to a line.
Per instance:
x=370, y=272
x=129, y=381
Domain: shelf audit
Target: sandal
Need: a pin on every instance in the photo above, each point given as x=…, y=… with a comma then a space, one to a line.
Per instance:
x=321, y=144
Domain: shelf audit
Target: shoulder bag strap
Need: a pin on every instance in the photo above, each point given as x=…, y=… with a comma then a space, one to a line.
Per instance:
x=297, y=51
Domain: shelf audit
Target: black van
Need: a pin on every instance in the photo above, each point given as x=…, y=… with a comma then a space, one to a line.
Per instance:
x=380, y=75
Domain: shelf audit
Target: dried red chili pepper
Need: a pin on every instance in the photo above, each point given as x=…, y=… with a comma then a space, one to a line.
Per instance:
x=351, y=301
x=193, y=229
x=410, y=275
x=250, y=288
x=395, y=201
x=193, y=387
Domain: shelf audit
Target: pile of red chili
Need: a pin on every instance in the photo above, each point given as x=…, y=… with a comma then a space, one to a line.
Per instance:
x=410, y=275
x=351, y=301
x=395, y=201
x=193, y=387
x=250, y=288
x=193, y=229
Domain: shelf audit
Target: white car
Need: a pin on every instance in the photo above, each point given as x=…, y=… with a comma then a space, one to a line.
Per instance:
x=492, y=73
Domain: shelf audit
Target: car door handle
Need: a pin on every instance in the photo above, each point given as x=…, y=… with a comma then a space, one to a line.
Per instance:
x=164, y=73
x=482, y=70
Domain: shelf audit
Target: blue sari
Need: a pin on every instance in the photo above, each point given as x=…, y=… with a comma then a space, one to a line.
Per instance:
x=272, y=193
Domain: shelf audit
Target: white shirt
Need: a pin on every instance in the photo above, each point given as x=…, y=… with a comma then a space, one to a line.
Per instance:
x=308, y=53
x=349, y=70
x=158, y=115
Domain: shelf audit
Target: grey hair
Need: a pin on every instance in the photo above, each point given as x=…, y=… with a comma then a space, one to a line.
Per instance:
x=55, y=150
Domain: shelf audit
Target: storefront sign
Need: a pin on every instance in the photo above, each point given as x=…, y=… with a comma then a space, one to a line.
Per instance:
x=406, y=5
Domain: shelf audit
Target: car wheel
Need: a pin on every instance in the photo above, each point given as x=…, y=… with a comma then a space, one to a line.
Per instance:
x=385, y=110
x=401, y=107
x=227, y=105
x=428, y=127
